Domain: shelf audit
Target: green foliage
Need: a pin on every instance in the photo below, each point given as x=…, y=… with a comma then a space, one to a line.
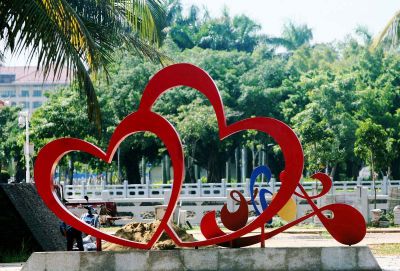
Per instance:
x=4, y=176
x=342, y=99
x=223, y=33
x=11, y=142
x=293, y=36
x=373, y=144
x=17, y=255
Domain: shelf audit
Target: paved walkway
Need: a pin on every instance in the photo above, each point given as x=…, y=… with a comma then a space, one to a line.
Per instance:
x=311, y=238
x=11, y=266
x=389, y=263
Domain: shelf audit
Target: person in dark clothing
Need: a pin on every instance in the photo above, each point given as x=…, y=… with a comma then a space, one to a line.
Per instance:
x=71, y=234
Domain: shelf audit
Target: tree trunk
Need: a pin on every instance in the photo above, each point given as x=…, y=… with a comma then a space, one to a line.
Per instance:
x=71, y=170
x=214, y=170
x=164, y=169
x=143, y=170
x=131, y=163
x=373, y=179
x=190, y=174
x=253, y=158
x=19, y=172
x=237, y=165
x=333, y=171
x=168, y=167
x=228, y=170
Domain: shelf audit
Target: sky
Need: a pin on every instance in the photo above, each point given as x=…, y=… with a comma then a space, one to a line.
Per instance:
x=330, y=20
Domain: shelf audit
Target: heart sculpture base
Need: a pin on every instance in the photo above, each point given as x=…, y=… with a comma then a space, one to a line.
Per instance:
x=270, y=258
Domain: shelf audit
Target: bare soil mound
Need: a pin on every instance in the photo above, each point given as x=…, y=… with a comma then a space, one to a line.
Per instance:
x=142, y=232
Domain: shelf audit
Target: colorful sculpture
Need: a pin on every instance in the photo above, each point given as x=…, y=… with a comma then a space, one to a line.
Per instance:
x=347, y=225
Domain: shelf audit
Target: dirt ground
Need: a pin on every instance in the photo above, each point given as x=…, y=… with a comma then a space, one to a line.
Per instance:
x=142, y=232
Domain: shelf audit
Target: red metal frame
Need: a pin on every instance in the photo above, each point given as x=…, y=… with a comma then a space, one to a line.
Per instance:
x=146, y=120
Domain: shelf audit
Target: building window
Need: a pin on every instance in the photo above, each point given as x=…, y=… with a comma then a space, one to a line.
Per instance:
x=37, y=93
x=37, y=104
x=24, y=93
x=25, y=105
x=7, y=78
x=7, y=93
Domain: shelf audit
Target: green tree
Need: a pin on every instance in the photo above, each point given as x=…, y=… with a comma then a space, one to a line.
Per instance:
x=64, y=116
x=373, y=145
x=197, y=126
x=11, y=150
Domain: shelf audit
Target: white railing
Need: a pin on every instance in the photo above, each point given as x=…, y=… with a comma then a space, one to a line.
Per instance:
x=143, y=209
x=138, y=200
x=199, y=189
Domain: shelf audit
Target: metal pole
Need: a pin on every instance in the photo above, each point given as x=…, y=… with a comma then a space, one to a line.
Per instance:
x=244, y=164
x=27, y=173
x=119, y=166
x=228, y=170
x=263, y=162
x=237, y=164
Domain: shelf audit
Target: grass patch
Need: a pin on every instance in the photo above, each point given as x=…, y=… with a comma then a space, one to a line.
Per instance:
x=385, y=249
x=14, y=256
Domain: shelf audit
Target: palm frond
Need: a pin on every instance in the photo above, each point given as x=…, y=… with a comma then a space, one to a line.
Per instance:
x=80, y=36
x=390, y=33
x=276, y=41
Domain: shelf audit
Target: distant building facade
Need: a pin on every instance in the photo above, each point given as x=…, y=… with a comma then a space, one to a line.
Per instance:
x=26, y=86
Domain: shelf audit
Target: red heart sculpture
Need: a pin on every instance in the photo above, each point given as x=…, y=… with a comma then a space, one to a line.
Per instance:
x=50, y=154
x=146, y=120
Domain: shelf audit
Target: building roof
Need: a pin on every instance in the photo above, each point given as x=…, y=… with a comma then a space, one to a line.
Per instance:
x=31, y=75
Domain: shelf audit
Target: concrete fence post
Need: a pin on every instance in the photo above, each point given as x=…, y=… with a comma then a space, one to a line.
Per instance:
x=103, y=185
x=384, y=185
x=362, y=203
x=230, y=203
x=273, y=181
x=167, y=196
x=247, y=188
x=84, y=192
x=223, y=187
x=359, y=179
x=64, y=190
x=314, y=189
x=199, y=187
x=125, y=188
x=148, y=189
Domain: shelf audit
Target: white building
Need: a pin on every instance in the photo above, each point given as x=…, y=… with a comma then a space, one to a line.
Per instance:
x=26, y=86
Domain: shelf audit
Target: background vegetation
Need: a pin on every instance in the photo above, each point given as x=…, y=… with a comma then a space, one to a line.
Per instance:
x=341, y=98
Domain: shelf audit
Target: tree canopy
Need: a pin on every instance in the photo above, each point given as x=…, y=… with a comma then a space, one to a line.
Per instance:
x=338, y=97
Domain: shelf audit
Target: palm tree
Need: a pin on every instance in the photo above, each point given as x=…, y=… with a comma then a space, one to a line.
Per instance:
x=80, y=36
x=390, y=35
x=293, y=36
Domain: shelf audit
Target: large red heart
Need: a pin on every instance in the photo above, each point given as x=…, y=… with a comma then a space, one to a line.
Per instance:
x=145, y=120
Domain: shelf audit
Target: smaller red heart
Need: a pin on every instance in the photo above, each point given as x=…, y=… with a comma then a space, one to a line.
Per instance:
x=140, y=121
